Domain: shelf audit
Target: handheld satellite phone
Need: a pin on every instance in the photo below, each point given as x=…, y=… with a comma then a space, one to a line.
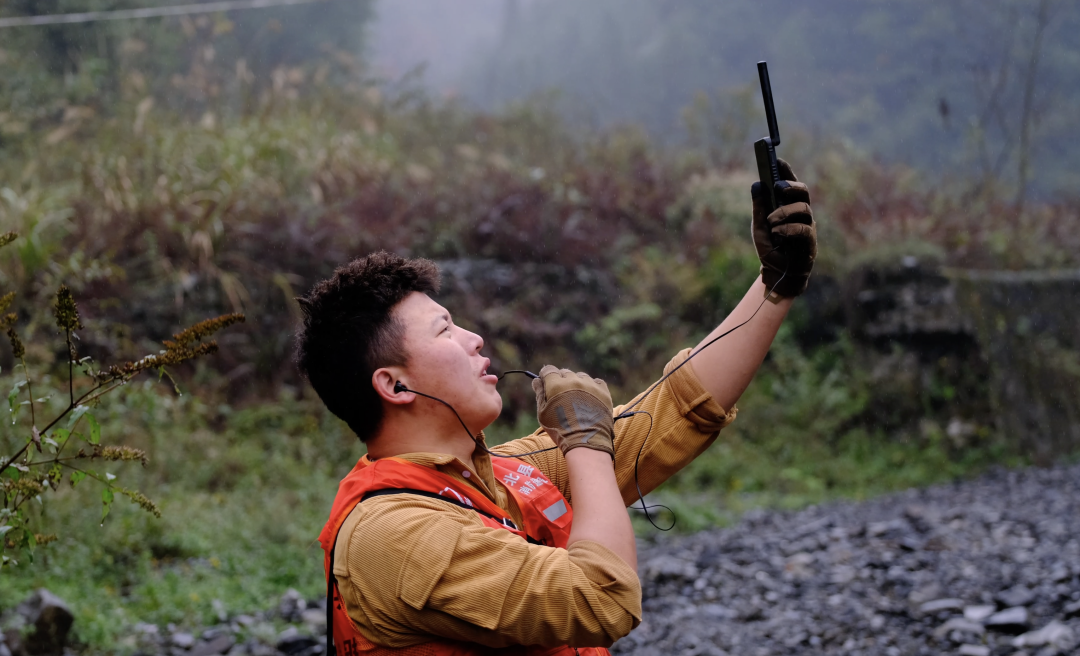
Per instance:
x=765, y=148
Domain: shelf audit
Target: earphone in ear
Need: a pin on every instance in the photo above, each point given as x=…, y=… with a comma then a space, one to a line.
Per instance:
x=400, y=387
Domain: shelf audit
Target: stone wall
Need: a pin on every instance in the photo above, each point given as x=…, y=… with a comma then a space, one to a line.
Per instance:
x=1008, y=342
x=1028, y=328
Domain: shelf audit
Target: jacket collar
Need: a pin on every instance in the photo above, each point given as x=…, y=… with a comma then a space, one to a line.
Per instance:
x=478, y=474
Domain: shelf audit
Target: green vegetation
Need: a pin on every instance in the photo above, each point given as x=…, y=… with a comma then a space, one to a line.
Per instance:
x=188, y=63
x=242, y=492
x=808, y=431
x=33, y=460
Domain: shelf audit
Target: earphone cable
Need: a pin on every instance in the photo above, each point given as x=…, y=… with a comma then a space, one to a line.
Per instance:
x=625, y=414
x=629, y=412
x=471, y=436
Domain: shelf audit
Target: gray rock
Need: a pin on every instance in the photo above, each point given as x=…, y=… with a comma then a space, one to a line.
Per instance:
x=256, y=648
x=291, y=605
x=978, y=613
x=51, y=618
x=1016, y=596
x=1060, y=574
x=668, y=567
x=1010, y=620
x=1072, y=610
x=219, y=645
x=718, y=611
x=925, y=593
x=11, y=640
x=1054, y=634
x=959, y=625
x=974, y=650
x=799, y=565
x=314, y=617
x=183, y=640
x=939, y=605
x=292, y=642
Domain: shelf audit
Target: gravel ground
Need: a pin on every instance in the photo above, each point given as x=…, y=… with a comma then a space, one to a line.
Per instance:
x=978, y=568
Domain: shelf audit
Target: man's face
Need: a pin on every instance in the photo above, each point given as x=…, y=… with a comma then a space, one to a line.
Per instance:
x=445, y=361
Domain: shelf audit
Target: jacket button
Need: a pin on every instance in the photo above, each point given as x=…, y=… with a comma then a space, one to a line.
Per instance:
x=466, y=473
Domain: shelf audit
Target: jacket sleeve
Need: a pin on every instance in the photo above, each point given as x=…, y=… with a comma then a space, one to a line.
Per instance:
x=417, y=567
x=682, y=421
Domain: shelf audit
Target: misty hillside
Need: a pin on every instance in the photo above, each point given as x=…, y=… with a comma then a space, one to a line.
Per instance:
x=967, y=88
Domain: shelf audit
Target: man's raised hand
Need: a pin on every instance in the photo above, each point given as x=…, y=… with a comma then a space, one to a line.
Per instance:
x=575, y=409
x=786, y=239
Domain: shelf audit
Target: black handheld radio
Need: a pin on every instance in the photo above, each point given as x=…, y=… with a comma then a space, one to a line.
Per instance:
x=765, y=149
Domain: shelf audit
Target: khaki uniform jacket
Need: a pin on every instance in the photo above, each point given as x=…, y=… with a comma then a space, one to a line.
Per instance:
x=414, y=568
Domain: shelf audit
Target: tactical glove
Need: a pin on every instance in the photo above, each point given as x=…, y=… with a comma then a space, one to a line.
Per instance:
x=786, y=240
x=575, y=410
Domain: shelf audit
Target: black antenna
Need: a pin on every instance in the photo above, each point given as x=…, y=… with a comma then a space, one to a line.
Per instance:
x=765, y=148
x=766, y=95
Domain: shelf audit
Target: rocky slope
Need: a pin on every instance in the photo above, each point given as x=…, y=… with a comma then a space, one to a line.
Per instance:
x=977, y=568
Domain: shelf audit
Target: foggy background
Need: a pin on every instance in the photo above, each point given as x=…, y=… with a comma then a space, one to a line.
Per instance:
x=964, y=89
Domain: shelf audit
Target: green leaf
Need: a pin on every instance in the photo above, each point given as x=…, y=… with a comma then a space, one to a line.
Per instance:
x=77, y=414
x=76, y=477
x=106, y=501
x=95, y=429
x=15, y=390
x=61, y=435
x=12, y=395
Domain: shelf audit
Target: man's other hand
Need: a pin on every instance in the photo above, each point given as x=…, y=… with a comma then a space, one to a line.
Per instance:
x=575, y=409
x=786, y=239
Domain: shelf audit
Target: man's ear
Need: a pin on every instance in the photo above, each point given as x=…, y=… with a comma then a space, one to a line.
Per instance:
x=384, y=380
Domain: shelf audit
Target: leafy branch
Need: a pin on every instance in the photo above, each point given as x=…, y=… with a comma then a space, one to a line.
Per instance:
x=38, y=463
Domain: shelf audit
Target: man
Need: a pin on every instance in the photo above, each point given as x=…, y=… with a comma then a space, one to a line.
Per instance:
x=436, y=547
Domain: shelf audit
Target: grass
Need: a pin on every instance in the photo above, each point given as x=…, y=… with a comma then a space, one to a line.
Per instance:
x=243, y=494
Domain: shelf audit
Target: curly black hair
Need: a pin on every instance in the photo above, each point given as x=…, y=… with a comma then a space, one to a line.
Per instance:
x=350, y=330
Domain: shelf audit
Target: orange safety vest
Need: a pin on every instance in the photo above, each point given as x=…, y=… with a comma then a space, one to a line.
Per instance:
x=546, y=514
